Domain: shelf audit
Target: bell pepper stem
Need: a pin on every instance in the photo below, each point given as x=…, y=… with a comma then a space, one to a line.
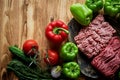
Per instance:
x=57, y=30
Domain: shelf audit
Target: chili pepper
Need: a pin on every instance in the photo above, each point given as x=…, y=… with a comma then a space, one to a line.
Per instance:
x=68, y=51
x=57, y=31
x=71, y=70
x=94, y=5
x=81, y=13
x=111, y=7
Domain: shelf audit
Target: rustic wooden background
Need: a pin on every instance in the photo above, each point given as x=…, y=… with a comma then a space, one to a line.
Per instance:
x=26, y=19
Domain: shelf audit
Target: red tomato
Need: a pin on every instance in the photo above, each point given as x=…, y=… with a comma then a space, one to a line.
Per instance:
x=51, y=57
x=30, y=47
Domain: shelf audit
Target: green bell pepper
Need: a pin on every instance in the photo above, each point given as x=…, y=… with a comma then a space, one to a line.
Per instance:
x=68, y=51
x=94, y=5
x=112, y=7
x=81, y=13
x=71, y=70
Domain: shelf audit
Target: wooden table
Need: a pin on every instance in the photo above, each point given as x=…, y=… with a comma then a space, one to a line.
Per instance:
x=26, y=19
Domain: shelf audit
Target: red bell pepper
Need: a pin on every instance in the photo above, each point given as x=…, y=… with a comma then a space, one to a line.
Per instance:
x=57, y=31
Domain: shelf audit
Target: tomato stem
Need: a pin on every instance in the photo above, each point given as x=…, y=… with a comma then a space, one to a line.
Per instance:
x=35, y=57
x=47, y=56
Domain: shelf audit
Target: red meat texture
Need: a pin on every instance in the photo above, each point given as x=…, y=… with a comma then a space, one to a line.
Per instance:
x=92, y=39
x=108, y=61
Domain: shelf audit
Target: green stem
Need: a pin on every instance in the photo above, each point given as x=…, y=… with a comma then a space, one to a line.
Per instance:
x=47, y=57
x=35, y=57
x=57, y=30
x=58, y=68
x=70, y=49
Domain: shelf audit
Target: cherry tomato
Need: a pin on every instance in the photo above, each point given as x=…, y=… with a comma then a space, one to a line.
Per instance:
x=51, y=57
x=30, y=47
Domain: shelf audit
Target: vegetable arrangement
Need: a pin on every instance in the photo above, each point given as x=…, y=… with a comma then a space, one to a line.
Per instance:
x=83, y=13
x=61, y=62
x=66, y=53
x=25, y=63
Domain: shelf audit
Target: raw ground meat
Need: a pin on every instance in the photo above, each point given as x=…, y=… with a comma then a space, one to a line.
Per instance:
x=108, y=61
x=92, y=39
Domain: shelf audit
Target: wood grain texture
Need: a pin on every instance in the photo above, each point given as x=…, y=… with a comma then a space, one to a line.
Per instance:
x=27, y=19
